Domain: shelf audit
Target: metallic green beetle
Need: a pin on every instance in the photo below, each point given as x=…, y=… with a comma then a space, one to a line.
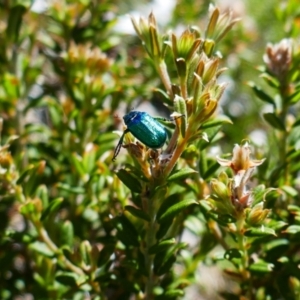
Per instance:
x=145, y=128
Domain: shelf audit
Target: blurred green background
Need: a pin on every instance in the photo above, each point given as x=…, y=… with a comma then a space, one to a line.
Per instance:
x=67, y=68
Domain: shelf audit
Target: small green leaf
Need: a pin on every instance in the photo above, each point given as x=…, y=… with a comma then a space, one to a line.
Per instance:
x=261, y=231
x=261, y=94
x=181, y=174
x=67, y=234
x=276, y=225
x=174, y=293
x=89, y=158
x=289, y=190
x=258, y=194
x=275, y=244
x=270, y=80
x=176, y=208
x=85, y=250
x=39, y=279
x=220, y=120
x=293, y=229
x=283, y=260
x=261, y=267
x=77, y=163
x=129, y=180
x=203, y=162
x=41, y=248
x=274, y=121
x=43, y=194
x=162, y=246
x=137, y=213
x=71, y=189
x=52, y=208
x=294, y=209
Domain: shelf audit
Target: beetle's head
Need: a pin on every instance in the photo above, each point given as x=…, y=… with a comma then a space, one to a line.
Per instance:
x=130, y=116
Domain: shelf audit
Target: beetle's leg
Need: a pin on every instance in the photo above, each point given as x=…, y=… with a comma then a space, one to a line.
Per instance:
x=118, y=148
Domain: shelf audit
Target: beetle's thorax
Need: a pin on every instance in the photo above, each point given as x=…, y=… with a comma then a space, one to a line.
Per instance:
x=133, y=117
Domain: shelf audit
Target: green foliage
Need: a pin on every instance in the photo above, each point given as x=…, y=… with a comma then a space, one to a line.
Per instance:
x=75, y=225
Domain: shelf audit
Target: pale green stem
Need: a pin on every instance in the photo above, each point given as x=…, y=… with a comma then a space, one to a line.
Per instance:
x=150, y=241
x=45, y=237
x=241, y=241
x=244, y=259
x=283, y=141
x=164, y=76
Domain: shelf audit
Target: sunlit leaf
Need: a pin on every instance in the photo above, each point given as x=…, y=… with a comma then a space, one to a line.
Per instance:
x=162, y=246
x=293, y=229
x=41, y=248
x=261, y=267
x=173, y=210
x=261, y=94
x=261, y=231
x=182, y=174
x=220, y=120
x=129, y=180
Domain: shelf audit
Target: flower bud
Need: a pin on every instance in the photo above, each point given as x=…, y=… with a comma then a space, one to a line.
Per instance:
x=219, y=189
x=257, y=214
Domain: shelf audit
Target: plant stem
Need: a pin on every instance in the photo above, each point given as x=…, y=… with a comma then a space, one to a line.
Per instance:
x=164, y=76
x=283, y=136
x=150, y=240
x=243, y=267
x=240, y=236
x=45, y=237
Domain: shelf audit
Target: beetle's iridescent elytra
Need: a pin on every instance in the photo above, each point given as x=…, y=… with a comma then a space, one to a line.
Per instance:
x=145, y=128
